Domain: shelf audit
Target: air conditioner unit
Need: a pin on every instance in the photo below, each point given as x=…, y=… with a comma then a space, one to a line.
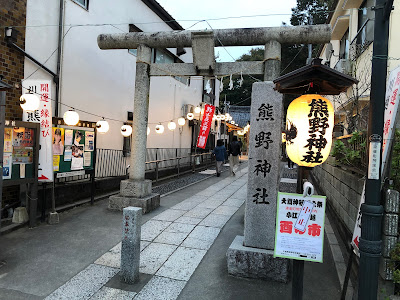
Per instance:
x=343, y=66
x=187, y=108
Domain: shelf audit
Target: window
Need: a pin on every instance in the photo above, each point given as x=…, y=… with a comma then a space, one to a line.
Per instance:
x=133, y=28
x=163, y=57
x=83, y=3
x=365, y=24
x=344, y=46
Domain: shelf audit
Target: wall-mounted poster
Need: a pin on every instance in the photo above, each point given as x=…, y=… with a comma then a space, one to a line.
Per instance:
x=8, y=134
x=69, y=135
x=22, y=137
x=22, y=155
x=87, y=159
x=89, y=140
x=68, y=152
x=56, y=163
x=58, y=141
x=78, y=138
x=7, y=165
x=77, y=156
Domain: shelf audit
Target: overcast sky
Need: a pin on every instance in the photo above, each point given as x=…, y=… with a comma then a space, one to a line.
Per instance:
x=182, y=10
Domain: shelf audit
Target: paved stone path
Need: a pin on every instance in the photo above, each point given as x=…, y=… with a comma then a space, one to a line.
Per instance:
x=173, y=244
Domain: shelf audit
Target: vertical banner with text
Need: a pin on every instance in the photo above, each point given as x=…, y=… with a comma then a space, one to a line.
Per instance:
x=43, y=115
x=205, y=126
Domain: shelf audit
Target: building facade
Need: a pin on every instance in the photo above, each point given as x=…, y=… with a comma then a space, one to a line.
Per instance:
x=350, y=52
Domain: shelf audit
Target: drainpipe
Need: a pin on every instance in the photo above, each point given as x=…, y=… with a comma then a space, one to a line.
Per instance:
x=58, y=71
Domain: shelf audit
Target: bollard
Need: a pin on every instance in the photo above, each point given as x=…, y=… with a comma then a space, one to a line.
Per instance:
x=130, y=249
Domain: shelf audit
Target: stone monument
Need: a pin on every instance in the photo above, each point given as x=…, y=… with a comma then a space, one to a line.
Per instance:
x=252, y=255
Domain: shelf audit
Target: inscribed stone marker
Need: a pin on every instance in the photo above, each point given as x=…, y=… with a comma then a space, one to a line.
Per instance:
x=264, y=164
x=130, y=248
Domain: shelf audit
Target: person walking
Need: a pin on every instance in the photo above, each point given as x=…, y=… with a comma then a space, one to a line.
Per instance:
x=234, y=152
x=220, y=155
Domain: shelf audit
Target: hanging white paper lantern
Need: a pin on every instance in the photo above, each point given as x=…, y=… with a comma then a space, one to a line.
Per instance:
x=71, y=117
x=222, y=117
x=227, y=116
x=232, y=122
x=218, y=117
x=148, y=130
x=171, y=125
x=190, y=116
x=236, y=124
x=309, y=126
x=230, y=118
x=126, y=130
x=197, y=110
x=181, y=121
x=29, y=102
x=102, y=126
x=159, y=128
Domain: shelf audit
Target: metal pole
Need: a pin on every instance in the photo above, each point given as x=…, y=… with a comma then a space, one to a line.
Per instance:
x=298, y=265
x=43, y=216
x=371, y=240
x=2, y=123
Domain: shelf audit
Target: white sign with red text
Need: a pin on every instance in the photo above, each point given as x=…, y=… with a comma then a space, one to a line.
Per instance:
x=391, y=108
x=43, y=115
x=205, y=125
x=294, y=243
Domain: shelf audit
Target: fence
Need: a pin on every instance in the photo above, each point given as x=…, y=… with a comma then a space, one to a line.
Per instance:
x=112, y=163
x=357, y=144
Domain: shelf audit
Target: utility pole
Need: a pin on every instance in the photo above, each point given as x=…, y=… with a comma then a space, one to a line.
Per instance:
x=372, y=210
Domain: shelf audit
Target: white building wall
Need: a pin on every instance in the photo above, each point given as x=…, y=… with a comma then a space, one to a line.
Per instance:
x=101, y=82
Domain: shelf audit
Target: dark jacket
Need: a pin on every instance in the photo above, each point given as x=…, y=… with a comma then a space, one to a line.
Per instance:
x=234, y=148
x=220, y=153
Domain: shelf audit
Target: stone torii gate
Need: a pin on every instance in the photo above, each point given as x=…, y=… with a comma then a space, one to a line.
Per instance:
x=259, y=219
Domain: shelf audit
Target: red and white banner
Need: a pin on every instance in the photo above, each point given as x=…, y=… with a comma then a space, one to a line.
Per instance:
x=43, y=115
x=205, y=126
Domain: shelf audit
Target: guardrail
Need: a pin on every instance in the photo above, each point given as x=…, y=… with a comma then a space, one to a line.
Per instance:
x=112, y=163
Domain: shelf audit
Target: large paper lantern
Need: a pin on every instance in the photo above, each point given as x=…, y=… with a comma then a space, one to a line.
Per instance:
x=29, y=102
x=126, y=130
x=71, y=117
x=309, y=127
x=102, y=126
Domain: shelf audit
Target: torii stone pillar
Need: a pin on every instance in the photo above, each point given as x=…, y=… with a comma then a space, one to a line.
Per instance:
x=136, y=191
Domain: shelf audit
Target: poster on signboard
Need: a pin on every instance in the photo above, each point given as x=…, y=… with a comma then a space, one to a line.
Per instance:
x=22, y=155
x=7, y=165
x=8, y=135
x=293, y=243
x=89, y=140
x=56, y=163
x=58, y=141
x=87, y=159
x=68, y=153
x=69, y=135
x=43, y=115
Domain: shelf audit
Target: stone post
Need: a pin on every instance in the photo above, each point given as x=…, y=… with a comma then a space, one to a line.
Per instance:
x=136, y=191
x=130, y=248
x=272, y=65
x=252, y=255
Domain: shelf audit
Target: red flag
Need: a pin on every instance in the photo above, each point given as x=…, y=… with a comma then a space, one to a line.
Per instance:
x=205, y=125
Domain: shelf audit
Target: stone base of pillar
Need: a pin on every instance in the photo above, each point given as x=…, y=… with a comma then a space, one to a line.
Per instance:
x=135, y=188
x=20, y=215
x=147, y=203
x=53, y=218
x=255, y=263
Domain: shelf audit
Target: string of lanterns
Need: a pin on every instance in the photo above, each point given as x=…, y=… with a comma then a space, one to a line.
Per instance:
x=31, y=102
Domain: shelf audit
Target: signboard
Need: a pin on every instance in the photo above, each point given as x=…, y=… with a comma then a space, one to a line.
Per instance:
x=205, y=126
x=43, y=115
x=291, y=242
x=391, y=108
